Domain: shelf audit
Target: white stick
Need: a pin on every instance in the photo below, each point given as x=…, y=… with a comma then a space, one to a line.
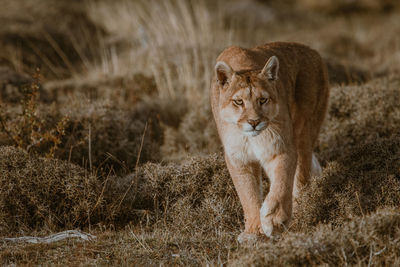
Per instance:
x=52, y=238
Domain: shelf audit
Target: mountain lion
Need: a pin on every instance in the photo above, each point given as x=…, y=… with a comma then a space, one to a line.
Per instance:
x=269, y=103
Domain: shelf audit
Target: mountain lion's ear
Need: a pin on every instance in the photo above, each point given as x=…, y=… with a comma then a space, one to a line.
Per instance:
x=271, y=68
x=223, y=72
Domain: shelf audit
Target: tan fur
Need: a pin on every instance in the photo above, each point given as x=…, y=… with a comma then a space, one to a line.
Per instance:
x=281, y=93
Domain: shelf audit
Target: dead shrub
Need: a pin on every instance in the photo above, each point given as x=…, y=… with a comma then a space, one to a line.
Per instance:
x=370, y=240
x=116, y=134
x=197, y=195
x=28, y=130
x=360, y=115
x=38, y=193
x=116, y=131
x=122, y=90
x=195, y=135
x=362, y=180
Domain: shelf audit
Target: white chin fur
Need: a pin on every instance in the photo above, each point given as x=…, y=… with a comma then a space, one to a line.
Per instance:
x=248, y=130
x=251, y=133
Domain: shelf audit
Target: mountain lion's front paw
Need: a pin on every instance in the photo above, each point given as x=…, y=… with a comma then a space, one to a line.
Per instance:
x=274, y=218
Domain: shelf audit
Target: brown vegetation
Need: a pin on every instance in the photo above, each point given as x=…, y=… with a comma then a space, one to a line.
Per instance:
x=39, y=193
x=139, y=163
x=57, y=36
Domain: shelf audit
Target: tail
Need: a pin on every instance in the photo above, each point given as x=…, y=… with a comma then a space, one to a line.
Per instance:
x=316, y=169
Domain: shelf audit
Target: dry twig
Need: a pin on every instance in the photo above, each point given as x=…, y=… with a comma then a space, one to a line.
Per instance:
x=52, y=238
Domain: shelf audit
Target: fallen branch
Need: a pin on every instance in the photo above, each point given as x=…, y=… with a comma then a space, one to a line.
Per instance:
x=52, y=238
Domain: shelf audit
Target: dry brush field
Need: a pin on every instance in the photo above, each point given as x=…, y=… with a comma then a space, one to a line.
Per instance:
x=105, y=126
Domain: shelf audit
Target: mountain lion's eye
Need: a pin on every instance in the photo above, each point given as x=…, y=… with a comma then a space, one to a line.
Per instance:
x=238, y=102
x=263, y=100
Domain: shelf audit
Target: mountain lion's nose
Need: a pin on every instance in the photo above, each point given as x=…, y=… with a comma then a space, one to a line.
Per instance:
x=253, y=123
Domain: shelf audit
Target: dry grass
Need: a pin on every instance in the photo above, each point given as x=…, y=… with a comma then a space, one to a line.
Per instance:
x=140, y=163
x=372, y=240
x=171, y=40
x=39, y=193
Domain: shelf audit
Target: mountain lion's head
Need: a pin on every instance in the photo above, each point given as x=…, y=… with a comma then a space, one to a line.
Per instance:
x=248, y=98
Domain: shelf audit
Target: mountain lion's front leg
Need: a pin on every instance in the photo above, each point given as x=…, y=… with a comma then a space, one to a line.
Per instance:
x=246, y=179
x=276, y=210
